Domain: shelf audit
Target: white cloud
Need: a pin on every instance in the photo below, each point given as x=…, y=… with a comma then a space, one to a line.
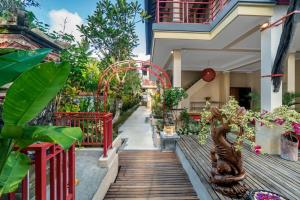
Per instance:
x=63, y=20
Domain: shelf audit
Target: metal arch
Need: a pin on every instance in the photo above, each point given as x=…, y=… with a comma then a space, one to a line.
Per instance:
x=114, y=69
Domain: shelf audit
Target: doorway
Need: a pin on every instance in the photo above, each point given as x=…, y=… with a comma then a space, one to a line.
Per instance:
x=241, y=94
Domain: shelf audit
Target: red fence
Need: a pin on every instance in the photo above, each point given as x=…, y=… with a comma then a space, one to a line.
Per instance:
x=96, y=127
x=53, y=169
x=188, y=11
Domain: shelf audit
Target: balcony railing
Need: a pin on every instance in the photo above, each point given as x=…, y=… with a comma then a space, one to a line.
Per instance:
x=188, y=11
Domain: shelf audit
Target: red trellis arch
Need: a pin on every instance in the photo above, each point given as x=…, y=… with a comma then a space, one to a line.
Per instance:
x=125, y=66
x=97, y=126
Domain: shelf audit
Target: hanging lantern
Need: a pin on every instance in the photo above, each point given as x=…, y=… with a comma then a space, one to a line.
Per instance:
x=208, y=74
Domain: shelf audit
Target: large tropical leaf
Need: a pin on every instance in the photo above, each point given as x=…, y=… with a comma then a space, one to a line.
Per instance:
x=7, y=50
x=32, y=91
x=64, y=136
x=14, y=170
x=13, y=63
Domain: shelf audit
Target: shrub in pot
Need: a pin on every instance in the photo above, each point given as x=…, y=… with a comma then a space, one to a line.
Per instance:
x=289, y=119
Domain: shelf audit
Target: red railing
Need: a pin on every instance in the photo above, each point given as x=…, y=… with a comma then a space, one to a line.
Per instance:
x=96, y=127
x=53, y=174
x=188, y=11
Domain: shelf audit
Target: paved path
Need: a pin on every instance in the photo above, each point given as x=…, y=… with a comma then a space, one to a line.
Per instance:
x=137, y=130
x=150, y=175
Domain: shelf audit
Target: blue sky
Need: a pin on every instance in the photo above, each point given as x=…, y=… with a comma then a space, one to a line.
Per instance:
x=54, y=12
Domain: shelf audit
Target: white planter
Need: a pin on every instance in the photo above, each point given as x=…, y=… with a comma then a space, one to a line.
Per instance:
x=269, y=139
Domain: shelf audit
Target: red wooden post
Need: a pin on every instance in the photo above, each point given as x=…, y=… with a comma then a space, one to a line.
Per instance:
x=104, y=136
x=64, y=175
x=71, y=155
x=157, y=11
x=11, y=196
x=58, y=177
x=40, y=173
x=25, y=188
x=52, y=173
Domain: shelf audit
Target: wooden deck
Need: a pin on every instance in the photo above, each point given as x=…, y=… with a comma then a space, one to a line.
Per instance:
x=263, y=171
x=150, y=175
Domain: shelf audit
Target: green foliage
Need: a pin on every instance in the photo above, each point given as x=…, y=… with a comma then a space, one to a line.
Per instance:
x=26, y=97
x=111, y=29
x=289, y=98
x=255, y=101
x=17, y=166
x=157, y=106
x=173, y=96
x=42, y=84
x=14, y=62
x=284, y=116
x=237, y=119
x=190, y=126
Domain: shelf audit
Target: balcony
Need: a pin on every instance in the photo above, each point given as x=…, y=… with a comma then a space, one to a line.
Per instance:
x=188, y=11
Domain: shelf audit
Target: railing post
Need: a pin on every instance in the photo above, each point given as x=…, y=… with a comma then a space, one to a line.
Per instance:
x=104, y=135
x=40, y=173
x=157, y=11
x=72, y=171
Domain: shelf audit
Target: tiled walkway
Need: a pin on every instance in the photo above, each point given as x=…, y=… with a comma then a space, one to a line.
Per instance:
x=137, y=130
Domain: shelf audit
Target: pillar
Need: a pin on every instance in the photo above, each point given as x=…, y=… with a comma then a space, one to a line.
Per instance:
x=291, y=71
x=177, y=68
x=269, y=138
x=269, y=44
x=226, y=81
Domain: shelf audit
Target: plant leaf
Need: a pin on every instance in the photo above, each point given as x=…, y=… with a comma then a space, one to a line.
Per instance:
x=12, y=64
x=14, y=170
x=64, y=136
x=32, y=91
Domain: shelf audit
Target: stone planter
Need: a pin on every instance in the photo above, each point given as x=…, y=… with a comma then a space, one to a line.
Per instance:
x=269, y=139
x=289, y=148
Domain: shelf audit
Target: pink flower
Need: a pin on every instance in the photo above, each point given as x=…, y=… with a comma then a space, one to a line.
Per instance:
x=257, y=149
x=296, y=127
x=279, y=121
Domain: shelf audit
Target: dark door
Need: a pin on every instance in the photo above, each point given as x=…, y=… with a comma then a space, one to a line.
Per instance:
x=242, y=96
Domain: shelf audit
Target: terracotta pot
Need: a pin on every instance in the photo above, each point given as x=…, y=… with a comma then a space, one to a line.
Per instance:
x=289, y=148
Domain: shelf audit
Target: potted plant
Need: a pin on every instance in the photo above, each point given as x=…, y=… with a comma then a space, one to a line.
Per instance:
x=288, y=121
x=226, y=156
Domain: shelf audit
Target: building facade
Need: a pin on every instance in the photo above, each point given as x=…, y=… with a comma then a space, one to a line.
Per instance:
x=233, y=37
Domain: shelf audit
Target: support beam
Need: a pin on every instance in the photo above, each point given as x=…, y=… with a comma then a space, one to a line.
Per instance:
x=177, y=68
x=269, y=43
x=291, y=71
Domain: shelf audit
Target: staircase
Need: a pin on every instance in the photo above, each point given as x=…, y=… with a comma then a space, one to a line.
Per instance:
x=151, y=175
x=192, y=90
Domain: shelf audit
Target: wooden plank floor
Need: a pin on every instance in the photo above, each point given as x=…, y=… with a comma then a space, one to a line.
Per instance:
x=263, y=171
x=150, y=175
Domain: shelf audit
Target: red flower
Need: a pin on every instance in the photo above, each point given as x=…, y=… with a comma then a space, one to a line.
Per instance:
x=296, y=127
x=257, y=149
x=279, y=121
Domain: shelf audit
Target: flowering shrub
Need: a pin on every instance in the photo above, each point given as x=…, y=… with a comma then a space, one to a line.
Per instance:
x=238, y=118
x=283, y=116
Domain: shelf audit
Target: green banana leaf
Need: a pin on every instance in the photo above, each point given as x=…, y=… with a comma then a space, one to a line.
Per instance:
x=14, y=170
x=7, y=50
x=12, y=64
x=25, y=136
x=32, y=91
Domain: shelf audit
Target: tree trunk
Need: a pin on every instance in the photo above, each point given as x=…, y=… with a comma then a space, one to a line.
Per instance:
x=118, y=106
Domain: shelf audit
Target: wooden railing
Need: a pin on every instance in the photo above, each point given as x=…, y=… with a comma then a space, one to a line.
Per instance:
x=188, y=11
x=52, y=175
x=96, y=127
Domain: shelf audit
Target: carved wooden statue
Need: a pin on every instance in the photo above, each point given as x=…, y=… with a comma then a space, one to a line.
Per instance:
x=227, y=163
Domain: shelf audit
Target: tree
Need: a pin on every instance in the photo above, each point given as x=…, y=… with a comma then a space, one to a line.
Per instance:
x=111, y=32
x=111, y=29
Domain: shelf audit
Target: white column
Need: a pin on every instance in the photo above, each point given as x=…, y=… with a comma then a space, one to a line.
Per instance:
x=177, y=68
x=269, y=44
x=291, y=71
